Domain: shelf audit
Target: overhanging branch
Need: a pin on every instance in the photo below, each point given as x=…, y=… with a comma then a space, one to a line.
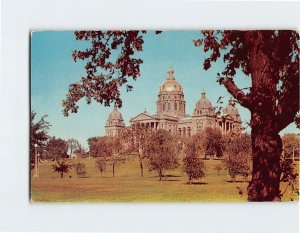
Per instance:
x=237, y=93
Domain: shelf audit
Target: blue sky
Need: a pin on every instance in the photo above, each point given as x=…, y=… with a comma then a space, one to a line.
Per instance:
x=53, y=70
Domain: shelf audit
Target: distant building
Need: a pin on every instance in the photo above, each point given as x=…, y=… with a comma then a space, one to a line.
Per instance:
x=114, y=123
x=172, y=117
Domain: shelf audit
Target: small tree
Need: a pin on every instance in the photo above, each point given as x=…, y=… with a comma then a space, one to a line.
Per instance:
x=212, y=142
x=193, y=166
x=38, y=135
x=291, y=145
x=80, y=169
x=61, y=167
x=237, y=164
x=161, y=151
x=238, y=149
x=218, y=167
x=101, y=165
x=136, y=136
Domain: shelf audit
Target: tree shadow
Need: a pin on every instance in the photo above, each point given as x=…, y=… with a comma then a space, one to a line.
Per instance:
x=165, y=176
x=171, y=176
x=196, y=183
x=170, y=180
x=84, y=177
x=236, y=181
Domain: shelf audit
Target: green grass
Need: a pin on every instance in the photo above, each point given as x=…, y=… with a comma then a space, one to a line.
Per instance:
x=128, y=186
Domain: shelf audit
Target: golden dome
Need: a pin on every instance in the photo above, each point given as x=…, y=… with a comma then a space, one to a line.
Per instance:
x=171, y=84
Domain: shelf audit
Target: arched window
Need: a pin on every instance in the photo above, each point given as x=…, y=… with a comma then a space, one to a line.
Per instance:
x=175, y=106
x=163, y=105
x=169, y=106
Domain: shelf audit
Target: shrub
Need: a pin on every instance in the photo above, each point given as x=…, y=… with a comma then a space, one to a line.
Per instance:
x=80, y=169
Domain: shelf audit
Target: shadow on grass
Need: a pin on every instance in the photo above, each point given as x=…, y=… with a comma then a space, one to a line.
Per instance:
x=236, y=181
x=165, y=176
x=170, y=180
x=196, y=183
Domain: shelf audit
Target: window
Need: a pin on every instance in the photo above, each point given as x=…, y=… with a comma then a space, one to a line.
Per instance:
x=175, y=106
x=163, y=105
x=169, y=106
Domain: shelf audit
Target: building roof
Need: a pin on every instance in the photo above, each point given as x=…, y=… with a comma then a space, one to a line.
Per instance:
x=115, y=118
x=203, y=103
x=230, y=108
x=171, y=84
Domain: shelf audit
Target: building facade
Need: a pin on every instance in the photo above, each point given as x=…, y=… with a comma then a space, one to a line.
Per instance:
x=171, y=114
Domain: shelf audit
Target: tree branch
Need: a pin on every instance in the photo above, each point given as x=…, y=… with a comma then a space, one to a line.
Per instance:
x=238, y=94
x=287, y=108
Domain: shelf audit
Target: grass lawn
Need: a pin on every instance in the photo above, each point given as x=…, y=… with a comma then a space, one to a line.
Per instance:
x=128, y=186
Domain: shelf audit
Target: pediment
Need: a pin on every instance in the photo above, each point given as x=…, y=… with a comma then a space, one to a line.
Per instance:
x=142, y=117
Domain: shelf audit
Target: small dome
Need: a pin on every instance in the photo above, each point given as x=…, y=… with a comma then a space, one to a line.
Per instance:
x=171, y=84
x=203, y=103
x=115, y=117
x=231, y=110
x=203, y=106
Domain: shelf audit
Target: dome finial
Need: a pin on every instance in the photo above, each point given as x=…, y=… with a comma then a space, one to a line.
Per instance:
x=231, y=101
x=170, y=73
x=203, y=93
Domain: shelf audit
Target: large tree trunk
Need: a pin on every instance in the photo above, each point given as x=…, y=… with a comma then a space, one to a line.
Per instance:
x=113, y=169
x=266, y=151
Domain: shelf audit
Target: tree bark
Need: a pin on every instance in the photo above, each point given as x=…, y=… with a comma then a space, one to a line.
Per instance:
x=113, y=167
x=266, y=171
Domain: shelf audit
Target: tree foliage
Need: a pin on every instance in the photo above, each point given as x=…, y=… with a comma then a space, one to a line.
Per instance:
x=161, y=151
x=112, y=149
x=136, y=136
x=212, y=142
x=291, y=145
x=193, y=165
x=101, y=165
x=111, y=60
x=237, y=164
x=61, y=167
x=238, y=150
x=56, y=148
x=80, y=169
x=100, y=146
x=38, y=133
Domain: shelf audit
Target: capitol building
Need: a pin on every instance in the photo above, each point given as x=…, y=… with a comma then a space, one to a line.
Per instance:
x=171, y=115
